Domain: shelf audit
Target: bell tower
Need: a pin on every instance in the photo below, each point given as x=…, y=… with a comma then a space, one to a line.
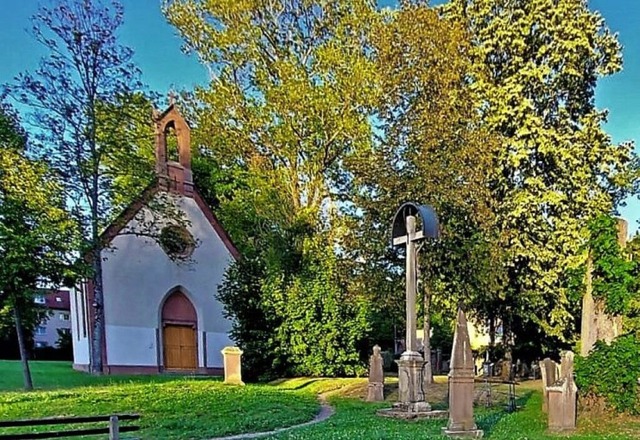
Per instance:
x=173, y=171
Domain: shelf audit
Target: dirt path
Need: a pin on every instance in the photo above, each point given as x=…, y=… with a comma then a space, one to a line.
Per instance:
x=325, y=412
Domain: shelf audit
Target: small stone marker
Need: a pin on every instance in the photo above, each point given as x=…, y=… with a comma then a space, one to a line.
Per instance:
x=549, y=371
x=562, y=398
x=461, y=422
x=232, y=366
x=375, y=389
x=505, y=372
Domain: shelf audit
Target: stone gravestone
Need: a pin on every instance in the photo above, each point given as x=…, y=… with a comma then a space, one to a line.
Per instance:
x=535, y=370
x=375, y=389
x=461, y=378
x=563, y=398
x=232, y=366
x=549, y=371
x=505, y=371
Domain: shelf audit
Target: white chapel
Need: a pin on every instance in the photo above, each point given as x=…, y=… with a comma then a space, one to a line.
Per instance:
x=161, y=313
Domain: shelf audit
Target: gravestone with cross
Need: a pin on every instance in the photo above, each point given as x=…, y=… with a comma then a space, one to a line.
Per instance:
x=411, y=364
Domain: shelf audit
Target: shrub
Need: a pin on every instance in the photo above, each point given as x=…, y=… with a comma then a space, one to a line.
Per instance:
x=612, y=372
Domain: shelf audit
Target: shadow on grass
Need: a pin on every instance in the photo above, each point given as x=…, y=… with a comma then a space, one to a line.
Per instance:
x=489, y=418
x=282, y=383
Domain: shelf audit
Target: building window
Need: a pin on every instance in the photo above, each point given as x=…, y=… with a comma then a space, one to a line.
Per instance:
x=64, y=316
x=39, y=299
x=41, y=330
x=177, y=241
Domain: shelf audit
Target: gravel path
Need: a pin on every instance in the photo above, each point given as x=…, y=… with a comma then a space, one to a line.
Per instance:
x=326, y=411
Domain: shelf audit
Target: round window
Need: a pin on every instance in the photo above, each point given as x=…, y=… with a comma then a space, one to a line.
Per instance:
x=176, y=241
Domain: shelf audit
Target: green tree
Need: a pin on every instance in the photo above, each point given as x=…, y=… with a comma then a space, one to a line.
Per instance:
x=613, y=273
x=293, y=86
x=556, y=168
x=125, y=134
x=432, y=149
x=36, y=234
x=82, y=97
x=12, y=135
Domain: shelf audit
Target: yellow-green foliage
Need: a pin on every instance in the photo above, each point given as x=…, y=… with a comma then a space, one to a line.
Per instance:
x=556, y=168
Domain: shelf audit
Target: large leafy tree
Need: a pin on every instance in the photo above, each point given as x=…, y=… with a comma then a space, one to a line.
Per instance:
x=291, y=91
x=81, y=90
x=36, y=233
x=433, y=149
x=556, y=168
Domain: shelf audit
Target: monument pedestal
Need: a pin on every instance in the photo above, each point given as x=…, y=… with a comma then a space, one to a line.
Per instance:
x=375, y=392
x=473, y=433
x=461, y=421
x=411, y=403
x=232, y=367
x=461, y=382
x=410, y=383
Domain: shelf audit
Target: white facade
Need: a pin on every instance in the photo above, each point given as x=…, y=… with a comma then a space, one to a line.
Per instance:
x=137, y=277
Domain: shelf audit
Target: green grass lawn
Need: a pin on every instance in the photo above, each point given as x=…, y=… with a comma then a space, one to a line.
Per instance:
x=171, y=407
x=356, y=419
x=200, y=408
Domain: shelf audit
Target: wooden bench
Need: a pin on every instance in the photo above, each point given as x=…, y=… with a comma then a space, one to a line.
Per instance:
x=113, y=429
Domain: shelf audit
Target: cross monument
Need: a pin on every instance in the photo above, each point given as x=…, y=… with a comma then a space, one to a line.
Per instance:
x=411, y=364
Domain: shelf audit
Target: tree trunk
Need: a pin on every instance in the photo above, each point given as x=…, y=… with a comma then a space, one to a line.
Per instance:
x=97, y=335
x=428, y=369
x=507, y=342
x=492, y=337
x=24, y=356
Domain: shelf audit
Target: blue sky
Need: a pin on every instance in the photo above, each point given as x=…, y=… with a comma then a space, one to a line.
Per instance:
x=165, y=67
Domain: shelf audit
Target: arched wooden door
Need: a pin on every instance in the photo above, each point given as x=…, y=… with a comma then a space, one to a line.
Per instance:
x=179, y=333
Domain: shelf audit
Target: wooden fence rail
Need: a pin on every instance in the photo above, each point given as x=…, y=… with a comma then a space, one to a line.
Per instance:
x=113, y=429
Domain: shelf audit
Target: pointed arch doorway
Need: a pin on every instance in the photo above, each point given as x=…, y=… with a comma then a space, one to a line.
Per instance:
x=179, y=333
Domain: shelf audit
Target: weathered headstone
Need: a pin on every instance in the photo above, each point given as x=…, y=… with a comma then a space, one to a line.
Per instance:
x=375, y=389
x=232, y=365
x=563, y=398
x=461, y=421
x=596, y=324
x=535, y=371
x=549, y=371
x=505, y=369
x=525, y=370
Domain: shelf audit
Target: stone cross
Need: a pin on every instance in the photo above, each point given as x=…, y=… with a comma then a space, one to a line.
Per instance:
x=411, y=366
x=375, y=389
x=409, y=241
x=461, y=383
